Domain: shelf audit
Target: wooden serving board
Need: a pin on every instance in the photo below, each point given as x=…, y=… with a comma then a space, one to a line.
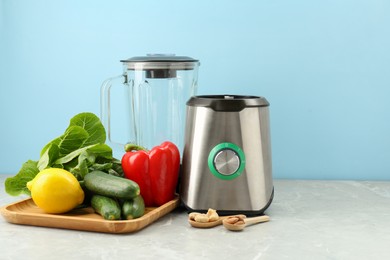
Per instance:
x=25, y=212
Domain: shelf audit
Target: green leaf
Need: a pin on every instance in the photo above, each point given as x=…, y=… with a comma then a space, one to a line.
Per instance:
x=73, y=139
x=102, y=151
x=72, y=155
x=92, y=124
x=80, y=170
x=17, y=185
x=93, y=133
x=84, y=160
x=49, y=156
x=101, y=166
x=116, y=168
x=86, y=157
x=55, y=141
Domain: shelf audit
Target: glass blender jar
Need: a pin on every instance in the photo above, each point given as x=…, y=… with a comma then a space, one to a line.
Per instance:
x=146, y=105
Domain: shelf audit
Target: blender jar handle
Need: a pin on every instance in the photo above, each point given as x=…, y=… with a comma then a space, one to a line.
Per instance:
x=105, y=108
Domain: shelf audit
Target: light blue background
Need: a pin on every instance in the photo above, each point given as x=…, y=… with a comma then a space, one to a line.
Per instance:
x=323, y=65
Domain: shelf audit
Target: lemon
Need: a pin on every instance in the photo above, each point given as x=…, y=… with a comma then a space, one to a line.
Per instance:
x=56, y=190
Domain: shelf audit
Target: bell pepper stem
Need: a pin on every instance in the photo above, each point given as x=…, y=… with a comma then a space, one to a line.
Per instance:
x=134, y=147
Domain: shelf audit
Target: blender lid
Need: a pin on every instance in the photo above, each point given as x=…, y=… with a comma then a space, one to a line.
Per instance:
x=227, y=102
x=160, y=61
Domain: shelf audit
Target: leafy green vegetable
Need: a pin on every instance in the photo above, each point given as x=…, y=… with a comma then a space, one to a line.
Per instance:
x=93, y=126
x=80, y=149
x=17, y=185
x=49, y=156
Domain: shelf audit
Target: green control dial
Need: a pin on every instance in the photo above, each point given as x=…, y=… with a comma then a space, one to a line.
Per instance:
x=226, y=161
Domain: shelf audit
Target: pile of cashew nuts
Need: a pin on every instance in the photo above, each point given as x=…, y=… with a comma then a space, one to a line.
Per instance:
x=210, y=216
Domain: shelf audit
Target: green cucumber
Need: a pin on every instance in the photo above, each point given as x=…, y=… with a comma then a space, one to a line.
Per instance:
x=111, y=186
x=107, y=207
x=133, y=208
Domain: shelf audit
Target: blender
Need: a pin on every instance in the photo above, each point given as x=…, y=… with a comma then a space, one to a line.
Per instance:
x=227, y=156
x=146, y=104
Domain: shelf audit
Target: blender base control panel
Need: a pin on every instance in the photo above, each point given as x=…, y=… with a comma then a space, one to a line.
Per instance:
x=226, y=161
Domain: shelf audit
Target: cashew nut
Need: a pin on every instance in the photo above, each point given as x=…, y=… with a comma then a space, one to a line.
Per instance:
x=210, y=216
x=201, y=218
x=192, y=215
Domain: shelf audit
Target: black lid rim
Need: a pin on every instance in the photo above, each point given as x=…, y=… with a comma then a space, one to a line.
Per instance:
x=227, y=102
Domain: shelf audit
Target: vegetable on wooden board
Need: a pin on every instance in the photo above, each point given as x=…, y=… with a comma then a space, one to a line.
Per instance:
x=132, y=209
x=107, y=207
x=79, y=150
x=156, y=171
x=112, y=186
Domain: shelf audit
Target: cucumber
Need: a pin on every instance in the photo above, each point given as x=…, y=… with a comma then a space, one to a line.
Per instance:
x=133, y=208
x=108, y=185
x=107, y=207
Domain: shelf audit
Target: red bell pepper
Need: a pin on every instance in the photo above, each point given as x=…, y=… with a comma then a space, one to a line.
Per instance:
x=156, y=171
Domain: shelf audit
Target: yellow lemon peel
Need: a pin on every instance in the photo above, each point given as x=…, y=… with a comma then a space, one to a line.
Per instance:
x=56, y=190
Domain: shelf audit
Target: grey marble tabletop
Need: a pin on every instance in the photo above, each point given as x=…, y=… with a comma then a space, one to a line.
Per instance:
x=309, y=220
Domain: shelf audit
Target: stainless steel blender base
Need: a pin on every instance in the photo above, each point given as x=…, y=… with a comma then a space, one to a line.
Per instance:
x=227, y=155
